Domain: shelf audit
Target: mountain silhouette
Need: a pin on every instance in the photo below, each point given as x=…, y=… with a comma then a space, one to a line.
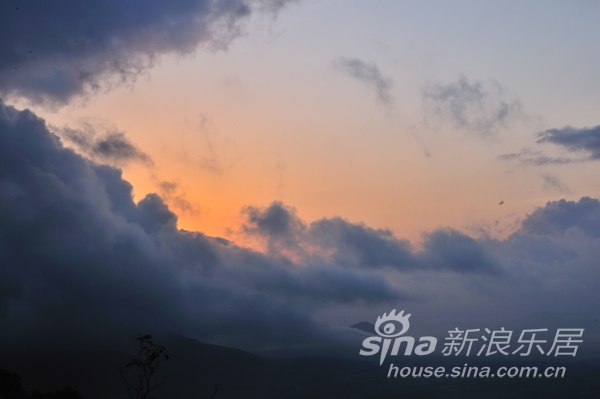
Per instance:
x=194, y=370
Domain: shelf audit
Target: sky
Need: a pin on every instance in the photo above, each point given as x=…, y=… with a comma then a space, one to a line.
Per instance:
x=262, y=174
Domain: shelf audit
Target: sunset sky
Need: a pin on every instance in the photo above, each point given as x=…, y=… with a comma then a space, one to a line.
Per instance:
x=439, y=156
x=277, y=116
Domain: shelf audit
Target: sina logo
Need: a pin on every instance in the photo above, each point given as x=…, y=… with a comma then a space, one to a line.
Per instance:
x=390, y=328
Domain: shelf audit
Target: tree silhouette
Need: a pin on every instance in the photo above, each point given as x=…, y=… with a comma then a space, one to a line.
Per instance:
x=11, y=386
x=148, y=360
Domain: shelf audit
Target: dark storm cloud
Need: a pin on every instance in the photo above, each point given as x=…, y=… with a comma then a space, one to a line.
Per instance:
x=559, y=216
x=470, y=106
x=369, y=74
x=585, y=140
x=81, y=260
x=53, y=51
x=112, y=146
x=323, y=285
x=447, y=249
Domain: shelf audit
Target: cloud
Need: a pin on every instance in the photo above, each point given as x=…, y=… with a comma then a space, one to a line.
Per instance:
x=321, y=285
x=52, y=52
x=370, y=75
x=361, y=246
x=356, y=246
x=112, y=146
x=277, y=225
x=472, y=107
x=535, y=158
x=210, y=155
x=275, y=221
x=448, y=249
x=584, y=140
x=554, y=183
x=83, y=263
x=171, y=192
x=559, y=216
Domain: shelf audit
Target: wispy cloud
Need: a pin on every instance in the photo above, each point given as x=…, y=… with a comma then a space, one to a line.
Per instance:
x=553, y=183
x=171, y=191
x=535, y=158
x=470, y=106
x=369, y=74
x=584, y=140
x=112, y=146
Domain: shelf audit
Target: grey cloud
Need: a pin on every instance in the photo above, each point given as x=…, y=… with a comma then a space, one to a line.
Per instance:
x=116, y=146
x=527, y=247
x=277, y=224
x=554, y=183
x=474, y=107
x=335, y=240
x=112, y=146
x=585, y=140
x=53, y=51
x=535, y=158
x=354, y=245
x=370, y=75
x=362, y=246
x=448, y=249
x=558, y=216
x=277, y=220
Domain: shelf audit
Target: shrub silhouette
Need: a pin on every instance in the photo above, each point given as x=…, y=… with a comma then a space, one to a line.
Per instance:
x=146, y=363
x=65, y=393
x=11, y=387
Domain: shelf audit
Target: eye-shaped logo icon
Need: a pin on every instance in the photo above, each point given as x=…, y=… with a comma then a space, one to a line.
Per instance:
x=392, y=325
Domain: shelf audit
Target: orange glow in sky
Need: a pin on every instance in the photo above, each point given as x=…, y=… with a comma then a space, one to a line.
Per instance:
x=273, y=118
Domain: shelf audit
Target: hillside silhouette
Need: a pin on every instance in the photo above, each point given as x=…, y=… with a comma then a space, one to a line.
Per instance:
x=195, y=368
